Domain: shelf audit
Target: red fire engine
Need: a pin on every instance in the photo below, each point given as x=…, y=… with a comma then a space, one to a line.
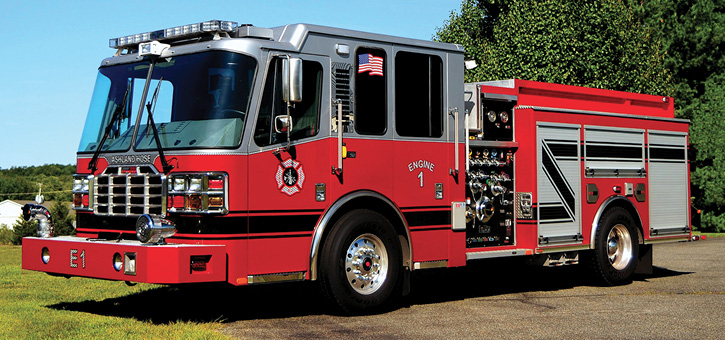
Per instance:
x=218, y=152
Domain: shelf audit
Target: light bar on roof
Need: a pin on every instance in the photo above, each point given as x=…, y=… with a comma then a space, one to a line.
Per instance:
x=173, y=32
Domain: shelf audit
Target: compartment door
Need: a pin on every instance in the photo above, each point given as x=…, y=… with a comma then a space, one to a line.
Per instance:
x=668, y=185
x=558, y=183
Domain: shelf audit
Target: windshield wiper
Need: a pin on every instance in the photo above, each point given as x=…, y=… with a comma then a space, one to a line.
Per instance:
x=150, y=107
x=119, y=110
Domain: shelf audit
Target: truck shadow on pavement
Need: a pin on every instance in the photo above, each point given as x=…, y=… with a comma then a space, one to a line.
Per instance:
x=225, y=303
x=506, y=276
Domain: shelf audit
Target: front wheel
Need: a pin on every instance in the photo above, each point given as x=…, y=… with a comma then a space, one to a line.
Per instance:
x=616, y=249
x=360, y=264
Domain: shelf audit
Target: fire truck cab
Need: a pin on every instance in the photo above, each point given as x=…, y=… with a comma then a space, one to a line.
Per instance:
x=218, y=152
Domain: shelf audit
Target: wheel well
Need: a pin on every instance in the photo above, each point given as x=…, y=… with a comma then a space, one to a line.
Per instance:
x=624, y=203
x=359, y=200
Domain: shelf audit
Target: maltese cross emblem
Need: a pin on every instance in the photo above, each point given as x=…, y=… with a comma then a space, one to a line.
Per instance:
x=290, y=177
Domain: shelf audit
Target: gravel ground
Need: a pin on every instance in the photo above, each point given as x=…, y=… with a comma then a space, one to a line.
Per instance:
x=683, y=299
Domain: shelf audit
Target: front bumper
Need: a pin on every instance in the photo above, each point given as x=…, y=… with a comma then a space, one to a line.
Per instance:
x=165, y=264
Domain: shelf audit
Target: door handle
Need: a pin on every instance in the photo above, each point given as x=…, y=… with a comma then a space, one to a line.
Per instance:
x=338, y=170
x=454, y=112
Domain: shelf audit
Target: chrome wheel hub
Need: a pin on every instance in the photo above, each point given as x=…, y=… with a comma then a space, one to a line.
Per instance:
x=366, y=264
x=619, y=247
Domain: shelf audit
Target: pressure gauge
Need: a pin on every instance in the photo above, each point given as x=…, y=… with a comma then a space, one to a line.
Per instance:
x=491, y=116
x=504, y=117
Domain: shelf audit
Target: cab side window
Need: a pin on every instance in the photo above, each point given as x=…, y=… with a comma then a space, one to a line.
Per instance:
x=370, y=92
x=418, y=95
x=305, y=115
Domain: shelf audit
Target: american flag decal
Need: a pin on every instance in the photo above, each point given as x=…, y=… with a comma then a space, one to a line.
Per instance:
x=370, y=63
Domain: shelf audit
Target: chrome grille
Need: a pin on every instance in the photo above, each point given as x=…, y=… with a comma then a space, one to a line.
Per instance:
x=119, y=192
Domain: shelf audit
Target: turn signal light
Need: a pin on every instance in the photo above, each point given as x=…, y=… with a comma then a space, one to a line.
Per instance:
x=216, y=201
x=193, y=202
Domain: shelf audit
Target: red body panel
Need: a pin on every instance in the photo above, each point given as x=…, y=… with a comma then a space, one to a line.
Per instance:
x=270, y=225
x=587, y=99
x=74, y=256
x=632, y=107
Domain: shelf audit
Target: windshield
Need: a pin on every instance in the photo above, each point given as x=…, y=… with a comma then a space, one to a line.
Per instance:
x=202, y=102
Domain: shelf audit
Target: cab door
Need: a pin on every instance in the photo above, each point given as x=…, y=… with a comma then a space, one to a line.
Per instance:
x=423, y=165
x=283, y=206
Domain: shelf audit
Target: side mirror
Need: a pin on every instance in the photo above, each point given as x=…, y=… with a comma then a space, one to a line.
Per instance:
x=292, y=80
x=283, y=124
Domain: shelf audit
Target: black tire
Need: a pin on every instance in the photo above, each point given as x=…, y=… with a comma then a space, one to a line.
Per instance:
x=616, y=248
x=361, y=262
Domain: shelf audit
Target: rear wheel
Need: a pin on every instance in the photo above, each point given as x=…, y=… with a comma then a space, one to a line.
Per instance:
x=616, y=250
x=360, y=264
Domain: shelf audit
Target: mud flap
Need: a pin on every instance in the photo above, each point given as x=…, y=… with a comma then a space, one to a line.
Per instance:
x=406, y=281
x=644, y=266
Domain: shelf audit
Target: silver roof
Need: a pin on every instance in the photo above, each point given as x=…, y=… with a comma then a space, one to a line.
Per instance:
x=295, y=35
x=287, y=38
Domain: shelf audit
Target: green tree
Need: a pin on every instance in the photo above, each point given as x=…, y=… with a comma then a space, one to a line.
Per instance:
x=6, y=235
x=21, y=183
x=667, y=47
x=23, y=228
x=588, y=43
x=62, y=219
x=12, y=184
x=693, y=40
x=708, y=140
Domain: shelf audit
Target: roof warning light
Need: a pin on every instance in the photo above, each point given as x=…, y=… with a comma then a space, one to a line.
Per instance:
x=173, y=32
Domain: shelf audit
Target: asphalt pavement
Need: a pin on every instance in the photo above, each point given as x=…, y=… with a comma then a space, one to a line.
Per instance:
x=683, y=299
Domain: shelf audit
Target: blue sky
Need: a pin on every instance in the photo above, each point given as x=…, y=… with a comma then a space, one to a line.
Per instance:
x=50, y=52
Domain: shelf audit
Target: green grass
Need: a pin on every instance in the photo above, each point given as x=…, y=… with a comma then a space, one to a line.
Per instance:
x=35, y=305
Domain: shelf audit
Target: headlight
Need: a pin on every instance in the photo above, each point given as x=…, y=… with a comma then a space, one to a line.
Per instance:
x=178, y=184
x=195, y=184
x=77, y=184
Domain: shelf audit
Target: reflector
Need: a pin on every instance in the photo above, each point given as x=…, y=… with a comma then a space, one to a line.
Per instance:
x=216, y=184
